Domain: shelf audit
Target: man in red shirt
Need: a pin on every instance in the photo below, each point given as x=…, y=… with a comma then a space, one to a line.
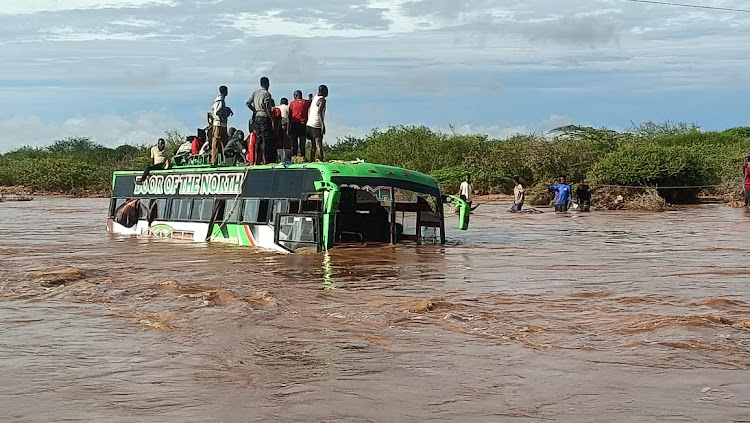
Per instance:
x=746, y=172
x=298, y=109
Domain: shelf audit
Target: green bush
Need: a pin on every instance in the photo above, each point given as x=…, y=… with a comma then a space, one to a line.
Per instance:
x=650, y=164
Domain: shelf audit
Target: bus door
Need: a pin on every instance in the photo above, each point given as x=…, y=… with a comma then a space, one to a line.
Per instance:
x=298, y=232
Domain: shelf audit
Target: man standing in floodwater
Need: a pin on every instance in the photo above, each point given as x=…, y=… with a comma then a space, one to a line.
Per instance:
x=260, y=104
x=466, y=190
x=519, y=196
x=746, y=172
x=562, y=194
x=218, y=117
x=583, y=194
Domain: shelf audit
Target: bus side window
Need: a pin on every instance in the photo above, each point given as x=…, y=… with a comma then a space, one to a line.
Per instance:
x=232, y=211
x=143, y=208
x=180, y=209
x=311, y=206
x=202, y=209
x=116, y=203
x=263, y=211
x=293, y=206
x=153, y=210
x=279, y=207
x=250, y=208
x=161, y=208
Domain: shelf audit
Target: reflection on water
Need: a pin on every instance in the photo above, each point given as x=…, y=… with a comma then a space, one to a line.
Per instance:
x=578, y=317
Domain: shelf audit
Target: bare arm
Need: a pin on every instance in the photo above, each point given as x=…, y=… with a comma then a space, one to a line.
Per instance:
x=322, y=113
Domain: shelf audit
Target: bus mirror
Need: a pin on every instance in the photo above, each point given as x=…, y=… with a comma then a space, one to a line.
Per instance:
x=464, y=211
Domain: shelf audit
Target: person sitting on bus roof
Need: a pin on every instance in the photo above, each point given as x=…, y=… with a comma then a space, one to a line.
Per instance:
x=234, y=149
x=158, y=158
x=183, y=151
x=254, y=148
x=195, y=146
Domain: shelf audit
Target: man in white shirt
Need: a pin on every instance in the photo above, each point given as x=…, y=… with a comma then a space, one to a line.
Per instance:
x=218, y=117
x=285, y=122
x=519, y=195
x=466, y=190
x=159, y=159
x=316, y=124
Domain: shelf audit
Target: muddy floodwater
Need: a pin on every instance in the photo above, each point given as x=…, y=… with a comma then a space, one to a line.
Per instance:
x=599, y=317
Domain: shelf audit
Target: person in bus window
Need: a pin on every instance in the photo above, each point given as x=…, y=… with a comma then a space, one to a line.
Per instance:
x=316, y=125
x=298, y=109
x=159, y=159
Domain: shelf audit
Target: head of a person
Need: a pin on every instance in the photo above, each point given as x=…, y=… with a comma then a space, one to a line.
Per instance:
x=747, y=159
x=231, y=132
x=239, y=135
x=298, y=95
x=581, y=182
x=264, y=82
x=563, y=179
x=323, y=91
x=517, y=180
x=161, y=144
x=467, y=178
x=201, y=134
x=284, y=100
x=310, y=96
x=223, y=90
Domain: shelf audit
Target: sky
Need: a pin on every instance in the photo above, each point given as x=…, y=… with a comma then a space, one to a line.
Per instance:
x=126, y=71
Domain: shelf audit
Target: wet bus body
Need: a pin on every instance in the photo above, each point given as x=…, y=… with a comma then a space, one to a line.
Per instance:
x=286, y=208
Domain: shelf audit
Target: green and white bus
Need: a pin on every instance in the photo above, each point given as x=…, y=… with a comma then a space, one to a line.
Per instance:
x=285, y=208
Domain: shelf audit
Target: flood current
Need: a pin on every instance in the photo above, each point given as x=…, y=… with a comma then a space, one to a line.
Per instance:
x=605, y=316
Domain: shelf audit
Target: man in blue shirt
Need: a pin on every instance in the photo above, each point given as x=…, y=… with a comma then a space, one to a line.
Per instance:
x=562, y=194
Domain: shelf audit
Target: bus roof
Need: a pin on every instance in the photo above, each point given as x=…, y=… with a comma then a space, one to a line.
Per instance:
x=328, y=170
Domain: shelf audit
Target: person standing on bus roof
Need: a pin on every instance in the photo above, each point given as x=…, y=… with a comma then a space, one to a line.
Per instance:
x=298, y=109
x=159, y=159
x=316, y=125
x=562, y=194
x=285, y=120
x=218, y=117
x=260, y=104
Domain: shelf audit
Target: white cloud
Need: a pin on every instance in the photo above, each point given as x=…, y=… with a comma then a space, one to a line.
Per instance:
x=37, y=6
x=108, y=130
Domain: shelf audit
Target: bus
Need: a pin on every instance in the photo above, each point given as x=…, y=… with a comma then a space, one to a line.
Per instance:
x=285, y=208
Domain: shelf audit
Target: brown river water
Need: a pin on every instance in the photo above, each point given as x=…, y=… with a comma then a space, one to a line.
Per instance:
x=599, y=317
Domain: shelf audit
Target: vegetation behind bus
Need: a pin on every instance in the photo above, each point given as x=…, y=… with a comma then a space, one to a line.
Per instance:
x=648, y=154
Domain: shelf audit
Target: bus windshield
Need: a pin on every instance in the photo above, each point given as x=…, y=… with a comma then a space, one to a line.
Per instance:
x=387, y=214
